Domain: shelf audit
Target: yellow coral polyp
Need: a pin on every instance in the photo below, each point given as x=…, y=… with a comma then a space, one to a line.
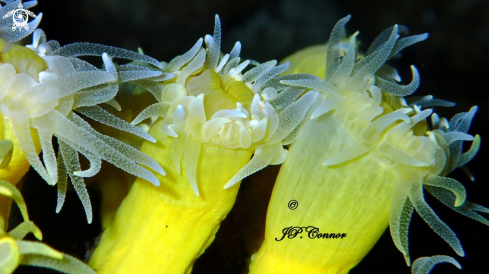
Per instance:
x=359, y=164
x=215, y=119
x=40, y=88
x=211, y=100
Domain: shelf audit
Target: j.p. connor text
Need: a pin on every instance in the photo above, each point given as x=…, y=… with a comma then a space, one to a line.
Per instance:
x=311, y=232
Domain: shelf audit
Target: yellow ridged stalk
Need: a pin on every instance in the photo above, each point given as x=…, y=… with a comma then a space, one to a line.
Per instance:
x=165, y=229
x=351, y=198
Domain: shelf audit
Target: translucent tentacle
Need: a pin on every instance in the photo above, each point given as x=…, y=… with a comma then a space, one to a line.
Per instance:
x=399, y=90
x=347, y=63
x=324, y=108
x=468, y=209
x=122, y=149
x=333, y=48
x=23, y=135
x=26, y=247
x=25, y=228
x=95, y=96
x=192, y=67
x=67, y=264
x=416, y=197
x=66, y=85
x=399, y=218
x=453, y=136
x=91, y=49
x=48, y=155
x=263, y=157
x=62, y=182
x=424, y=265
x=450, y=184
x=408, y=41
x=6, y=149
x=235, y=51
x=132, y=75
x=9, y=190
x=72, y=163
x=265, y=77
x=254, y=73
x=100, y=115
x=192, y=153
x=347, y=154
x=292, y=116
x=287, y=97
x=366, y=68
x=469, y=155
x=181, y=60
x=214, y=44
x=317, y=85
x=154, y=110
x=95, y=165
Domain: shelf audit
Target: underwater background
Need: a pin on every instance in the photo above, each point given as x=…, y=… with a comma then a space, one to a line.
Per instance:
x=452, y=63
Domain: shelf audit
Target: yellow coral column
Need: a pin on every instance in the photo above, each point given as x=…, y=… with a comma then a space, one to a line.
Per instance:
x=352, y=198
x=165, y=229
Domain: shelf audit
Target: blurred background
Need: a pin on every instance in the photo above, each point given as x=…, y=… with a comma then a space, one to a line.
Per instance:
x=451, y=63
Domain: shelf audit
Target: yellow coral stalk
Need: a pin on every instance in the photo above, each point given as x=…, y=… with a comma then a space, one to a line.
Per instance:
x=360, y=163
x=215, y=119
x=166, y=228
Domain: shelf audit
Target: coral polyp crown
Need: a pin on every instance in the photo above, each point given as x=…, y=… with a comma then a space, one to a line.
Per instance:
x=212, y=100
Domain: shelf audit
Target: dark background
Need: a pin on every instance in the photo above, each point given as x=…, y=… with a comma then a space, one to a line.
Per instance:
x=451, y=63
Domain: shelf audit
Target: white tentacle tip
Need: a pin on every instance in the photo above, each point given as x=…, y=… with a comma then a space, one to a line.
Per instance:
x=230, y=184
x=196, y=190
x=328, y=163
x=161, y=171
x=155, y=182
x=208, y=39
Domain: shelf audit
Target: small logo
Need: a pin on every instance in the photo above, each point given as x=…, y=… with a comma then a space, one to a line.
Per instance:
x=20, y=16
x=293, y=204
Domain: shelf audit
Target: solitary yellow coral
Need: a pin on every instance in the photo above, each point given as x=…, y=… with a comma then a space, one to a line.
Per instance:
x=360, y=162
x=40, y=87
x=215, y=119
